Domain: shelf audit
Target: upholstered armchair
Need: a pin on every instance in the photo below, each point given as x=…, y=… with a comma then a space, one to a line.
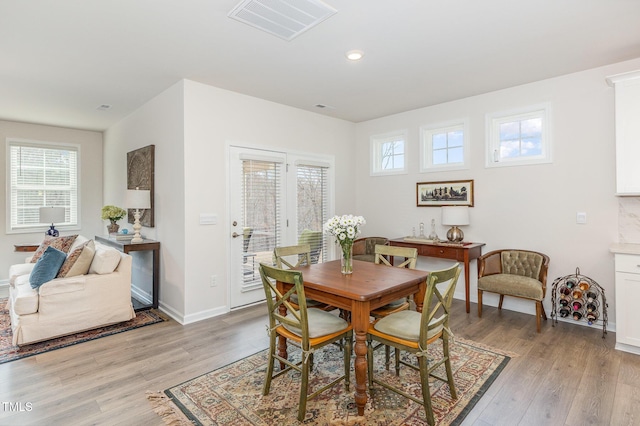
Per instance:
x=365, y=248
x=518, y=273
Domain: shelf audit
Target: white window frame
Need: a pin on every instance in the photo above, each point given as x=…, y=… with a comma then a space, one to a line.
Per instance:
x=376, y=154
x=493, y=122
x=426, y=146
x=74, y=223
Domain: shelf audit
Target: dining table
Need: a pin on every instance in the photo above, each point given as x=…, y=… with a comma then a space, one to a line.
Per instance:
x=368, y=287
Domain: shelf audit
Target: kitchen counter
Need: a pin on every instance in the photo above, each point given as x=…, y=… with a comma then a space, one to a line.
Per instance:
x=624, y=248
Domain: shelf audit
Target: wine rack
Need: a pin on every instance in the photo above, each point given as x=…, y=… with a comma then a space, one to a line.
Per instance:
x=579, y=298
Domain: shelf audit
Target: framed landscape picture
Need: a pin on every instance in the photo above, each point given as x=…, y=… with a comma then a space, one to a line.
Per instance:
x=140, y=175
x=445, y=193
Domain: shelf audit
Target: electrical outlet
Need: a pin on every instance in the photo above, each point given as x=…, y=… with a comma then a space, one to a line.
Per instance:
x=581, y=218
x=213, y=281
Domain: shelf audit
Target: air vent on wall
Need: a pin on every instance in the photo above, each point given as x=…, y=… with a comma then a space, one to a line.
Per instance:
x=286, y=19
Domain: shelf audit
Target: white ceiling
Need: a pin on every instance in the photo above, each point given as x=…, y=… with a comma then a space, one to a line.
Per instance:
x=60, y=60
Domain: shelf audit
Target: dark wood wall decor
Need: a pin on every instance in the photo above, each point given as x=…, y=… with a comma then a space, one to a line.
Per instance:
x=140, y=174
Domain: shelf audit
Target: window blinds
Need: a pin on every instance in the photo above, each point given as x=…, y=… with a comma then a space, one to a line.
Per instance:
x=312, y=208
x=41, y=175
x=261, y=211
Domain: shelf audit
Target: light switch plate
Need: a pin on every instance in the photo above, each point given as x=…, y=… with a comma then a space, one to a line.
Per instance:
x=208, y=219
x=581, y=218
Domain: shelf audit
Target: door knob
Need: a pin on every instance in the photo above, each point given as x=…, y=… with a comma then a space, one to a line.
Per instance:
x=235, y=235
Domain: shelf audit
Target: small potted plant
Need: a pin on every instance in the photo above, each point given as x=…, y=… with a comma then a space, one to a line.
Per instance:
x=113, y=214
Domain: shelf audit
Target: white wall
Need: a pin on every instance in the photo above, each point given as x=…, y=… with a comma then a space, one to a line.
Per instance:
x=190, y=125
x=90, y=184
x=213, y=118
x=159, y=122
x=530, y=207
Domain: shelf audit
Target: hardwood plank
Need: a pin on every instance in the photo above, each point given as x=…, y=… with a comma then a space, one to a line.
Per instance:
x=566, y=374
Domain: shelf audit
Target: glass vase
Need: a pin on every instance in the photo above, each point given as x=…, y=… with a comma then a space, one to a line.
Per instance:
x=346, y=261
x=113, y=228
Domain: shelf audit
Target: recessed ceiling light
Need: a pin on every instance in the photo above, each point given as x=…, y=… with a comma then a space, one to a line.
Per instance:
x=355, y=55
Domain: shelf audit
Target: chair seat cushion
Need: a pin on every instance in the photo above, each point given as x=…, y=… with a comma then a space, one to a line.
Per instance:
x=511, y=285
x=405, y=325
x=394, y=304
x=321, y=323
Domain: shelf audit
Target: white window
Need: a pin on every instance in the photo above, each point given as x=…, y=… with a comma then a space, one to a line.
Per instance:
x=41, y=174
x=444, y=146
x=388, y=153
x=519, y=138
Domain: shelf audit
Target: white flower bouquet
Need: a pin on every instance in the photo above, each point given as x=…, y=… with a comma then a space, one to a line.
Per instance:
x=345, y=228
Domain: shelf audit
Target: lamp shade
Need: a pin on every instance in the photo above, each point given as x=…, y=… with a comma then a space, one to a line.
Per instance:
x=51, y=214
x=138, y=199
x=455, y=215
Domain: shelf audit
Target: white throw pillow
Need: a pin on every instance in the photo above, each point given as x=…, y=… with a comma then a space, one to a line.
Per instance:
x=78, y=261
x=105, y=260
x=79, y=241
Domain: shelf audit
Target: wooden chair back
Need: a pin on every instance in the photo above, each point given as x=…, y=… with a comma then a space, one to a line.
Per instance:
x=437, y=303
x=301, y=251
x=385, y=253
x=275, y=299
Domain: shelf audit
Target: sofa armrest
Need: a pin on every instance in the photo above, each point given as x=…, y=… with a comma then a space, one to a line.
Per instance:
x=19, y=269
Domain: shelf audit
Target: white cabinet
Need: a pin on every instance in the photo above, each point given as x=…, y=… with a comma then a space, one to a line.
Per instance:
x=627, y=302
x=627, y=111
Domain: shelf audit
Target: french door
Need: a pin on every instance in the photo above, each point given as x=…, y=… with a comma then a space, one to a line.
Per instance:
x=275, y=199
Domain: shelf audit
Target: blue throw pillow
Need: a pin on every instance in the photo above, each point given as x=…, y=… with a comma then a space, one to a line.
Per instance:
x=47, y=267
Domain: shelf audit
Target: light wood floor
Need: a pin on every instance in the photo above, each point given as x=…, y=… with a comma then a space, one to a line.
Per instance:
x=567, y=375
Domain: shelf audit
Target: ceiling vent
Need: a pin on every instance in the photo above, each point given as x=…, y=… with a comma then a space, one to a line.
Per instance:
x=286, y=19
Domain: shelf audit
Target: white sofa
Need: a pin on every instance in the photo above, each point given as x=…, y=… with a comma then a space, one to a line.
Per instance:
x=71, y=304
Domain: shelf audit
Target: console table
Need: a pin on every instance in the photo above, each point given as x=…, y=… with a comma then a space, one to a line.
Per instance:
x=464, y=252
x=127, y=247
x=25, y=247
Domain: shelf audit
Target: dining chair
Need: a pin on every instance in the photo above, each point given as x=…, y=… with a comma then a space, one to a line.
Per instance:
x=518, y=273
x=364, y=248
x=309, y=329
x=302, y=253
x=384, y=255
x=415, y=332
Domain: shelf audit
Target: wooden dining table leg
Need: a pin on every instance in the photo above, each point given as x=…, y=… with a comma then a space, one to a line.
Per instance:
x=418, y=298
x=360, y=322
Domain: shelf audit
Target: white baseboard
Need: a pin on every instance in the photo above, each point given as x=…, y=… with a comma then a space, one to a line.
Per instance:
x=141, y=295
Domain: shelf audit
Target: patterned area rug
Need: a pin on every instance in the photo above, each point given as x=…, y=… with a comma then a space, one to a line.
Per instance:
x=8, y=352
x=233, y=394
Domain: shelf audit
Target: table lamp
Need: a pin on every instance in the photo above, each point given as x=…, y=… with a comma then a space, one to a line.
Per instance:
x=138, y=199
x=455, y=216
x=51, y=215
